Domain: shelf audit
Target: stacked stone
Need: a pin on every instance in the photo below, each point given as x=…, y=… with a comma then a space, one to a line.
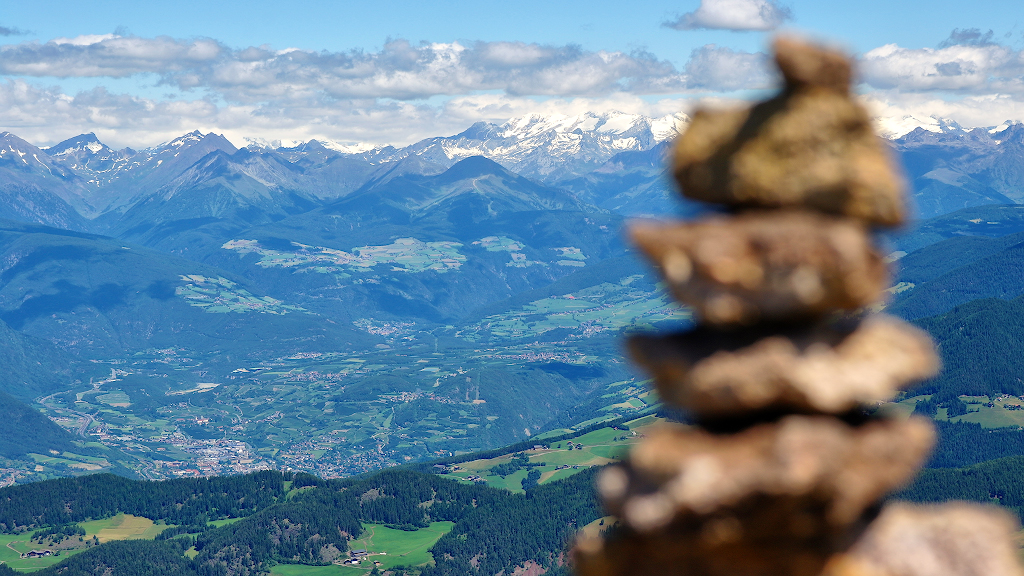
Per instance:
x=785, y=472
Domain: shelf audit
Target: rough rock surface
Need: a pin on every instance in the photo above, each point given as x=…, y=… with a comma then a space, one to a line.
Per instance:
x=816, y=470
x=904, y=540
x=811, y=146
x=718, y=551
x=822, y=368
x=955, y=539
x=765, y=266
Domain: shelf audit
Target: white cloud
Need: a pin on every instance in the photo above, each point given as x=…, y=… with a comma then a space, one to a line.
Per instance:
x=106, y=55
x=46, y=115
x=400, y=70
x=84, y=40
x=973, y=68
x=352, y=96
x=403, y=71
x=721, y=68
x=404, y=92
x=734, y=15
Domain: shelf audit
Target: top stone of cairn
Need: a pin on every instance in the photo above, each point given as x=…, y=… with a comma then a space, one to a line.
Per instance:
x=812, y=146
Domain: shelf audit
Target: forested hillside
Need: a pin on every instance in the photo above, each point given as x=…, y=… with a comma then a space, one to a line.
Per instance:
x=24, y=430
x=966, y=443
x=982, y=348
x=993, y=482
x=301, y=519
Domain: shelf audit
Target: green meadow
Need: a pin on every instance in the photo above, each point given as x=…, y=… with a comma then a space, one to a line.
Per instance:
x=123, y=527
x=120, y=527
x=220, y=295
x=1002, y=414
x=386, y=545
x=404, y=254
x=607, y=306
x=561, y=459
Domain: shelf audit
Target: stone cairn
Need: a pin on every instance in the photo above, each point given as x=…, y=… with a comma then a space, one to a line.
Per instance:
x=785, y=472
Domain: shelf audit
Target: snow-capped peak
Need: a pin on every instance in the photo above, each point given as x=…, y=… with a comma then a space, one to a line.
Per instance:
x=895, y=127
x=193, y=136
x=670, y=126
x=349, y=148
x=82, y=143
x=1004, y=126
x=534, y=124
x=255, y=143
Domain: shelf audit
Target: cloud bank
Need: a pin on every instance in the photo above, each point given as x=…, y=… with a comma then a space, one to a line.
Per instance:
x=404, y=91
x=400, y=70
x=967, y=68
x=349, y=96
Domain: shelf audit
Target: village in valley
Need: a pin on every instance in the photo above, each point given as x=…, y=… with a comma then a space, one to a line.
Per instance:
x=324, y=414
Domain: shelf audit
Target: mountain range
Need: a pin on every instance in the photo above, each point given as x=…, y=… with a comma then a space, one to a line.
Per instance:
x=447, y=296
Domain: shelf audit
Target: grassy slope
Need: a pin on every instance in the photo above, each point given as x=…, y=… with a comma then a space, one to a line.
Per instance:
x=386, y=545
x=120, y=527
x=600, y=447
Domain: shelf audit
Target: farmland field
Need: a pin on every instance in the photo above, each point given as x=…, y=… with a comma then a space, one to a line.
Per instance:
x=560, y=459
x=304, y=570
x=402, y=547
x=13, y=545
x=123, y=527
x=224, y=522
x=1003, y=413
x=600, y=308
x=404, y=254
x=386, y=545
x=120, y=527
x=220, y=295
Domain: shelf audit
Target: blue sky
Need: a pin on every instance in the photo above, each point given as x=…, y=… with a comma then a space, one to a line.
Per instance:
x=395, y=71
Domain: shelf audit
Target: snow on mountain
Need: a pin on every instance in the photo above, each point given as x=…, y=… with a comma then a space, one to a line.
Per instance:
x=83, y=143
x=546, y=148
x=144, y=172
x=896, y=127
x=342, y=148
x=37, y=188
x=95, y=162
x=16, y=152
x=113, y=179
x=573, y=152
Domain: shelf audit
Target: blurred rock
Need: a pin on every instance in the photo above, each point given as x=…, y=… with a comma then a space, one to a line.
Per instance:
x=956, y=539
x=788, y=474
x=905, y=540
x=800, y=476
x=822, y=368
x=811, y=146
x=766, y=265
x=687, y=553
x=804, y=64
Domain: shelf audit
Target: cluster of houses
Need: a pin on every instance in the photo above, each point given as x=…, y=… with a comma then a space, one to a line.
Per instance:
x=357, y=556
x=37, y=553
x=446, y=469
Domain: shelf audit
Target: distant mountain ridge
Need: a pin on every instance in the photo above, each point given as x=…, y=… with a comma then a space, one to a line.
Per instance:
x=953, y=168
x=545, y=148
x=612, y=160
x=83, y=184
